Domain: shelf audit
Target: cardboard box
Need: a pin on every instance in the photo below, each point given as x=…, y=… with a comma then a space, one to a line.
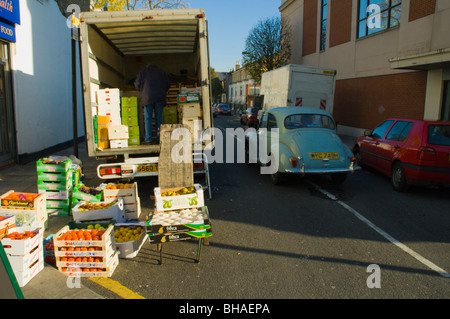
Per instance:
x=24, y=277
x=6, y=222
x=134, y=140
x=118, y=132
x=165, y=238
x=106, y=241
x=130, y=121
x=53, y=166
x=190, y=110
x=22, y=218
x=165, y=203
x=112, y=111
x=130, y=111
x=55, y=186
x=131, y=201
x=37, y=208
x=21, y=263
x=102, y=131
x=118, y=143
x=20, y=200
x=80, y=193
x=130, y=249
x=197, y=90
x=108, y=96
x=54, y=176
x=158, y=224
x=129, y=101
x=116, y=212
x=25, y=246
x=188, y=98
x=101, y=272
x=52, y=195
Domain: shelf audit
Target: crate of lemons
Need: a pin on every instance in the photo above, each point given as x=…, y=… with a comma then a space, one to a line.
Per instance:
x=129, y=239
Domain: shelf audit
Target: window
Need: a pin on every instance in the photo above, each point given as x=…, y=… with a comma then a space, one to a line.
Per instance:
x=378, y=15
x=381, y=130
x=323, y=25
x=399, y=131
x=309, y=121
x=264, y=121
x=439, y=135
x=271, y=122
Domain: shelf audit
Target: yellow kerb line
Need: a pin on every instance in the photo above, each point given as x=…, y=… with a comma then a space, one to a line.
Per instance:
x=116, y=287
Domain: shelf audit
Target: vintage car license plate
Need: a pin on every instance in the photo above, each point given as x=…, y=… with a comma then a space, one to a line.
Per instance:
x=147, y=168
x=324, y=155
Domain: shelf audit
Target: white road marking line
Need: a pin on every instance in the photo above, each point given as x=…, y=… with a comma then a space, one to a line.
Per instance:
x=400, y=245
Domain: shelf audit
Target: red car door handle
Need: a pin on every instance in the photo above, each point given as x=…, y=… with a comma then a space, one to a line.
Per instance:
x=396, y=147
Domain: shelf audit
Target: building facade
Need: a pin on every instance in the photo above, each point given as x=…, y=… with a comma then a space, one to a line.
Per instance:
x=392, y=56
x=237, y=84
x=36, y=101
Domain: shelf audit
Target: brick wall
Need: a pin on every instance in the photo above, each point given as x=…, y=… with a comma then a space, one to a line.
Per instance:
x=421, y=8
x=340, y=21
x=365, y=102
x=309, y=27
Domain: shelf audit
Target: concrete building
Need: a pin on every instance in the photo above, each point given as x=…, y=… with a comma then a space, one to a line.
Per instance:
x=392, y=56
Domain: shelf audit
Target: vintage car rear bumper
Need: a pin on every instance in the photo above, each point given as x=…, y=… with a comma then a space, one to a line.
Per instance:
x=304, y=170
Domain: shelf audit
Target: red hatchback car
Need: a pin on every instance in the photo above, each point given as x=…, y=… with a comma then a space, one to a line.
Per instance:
x=410, y=152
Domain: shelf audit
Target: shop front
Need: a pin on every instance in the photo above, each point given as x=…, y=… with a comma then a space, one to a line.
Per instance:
x=9, y=17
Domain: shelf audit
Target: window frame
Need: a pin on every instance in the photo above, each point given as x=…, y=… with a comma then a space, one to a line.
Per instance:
x=389, y=11
x=323, y=29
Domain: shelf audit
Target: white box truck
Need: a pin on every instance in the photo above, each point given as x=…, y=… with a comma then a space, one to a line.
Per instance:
x=115, y=46
x=299, y=85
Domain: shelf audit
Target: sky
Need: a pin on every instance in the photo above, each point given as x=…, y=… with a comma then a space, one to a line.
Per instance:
x=229, y=24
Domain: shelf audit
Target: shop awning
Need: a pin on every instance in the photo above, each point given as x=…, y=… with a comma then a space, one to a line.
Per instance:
x=424, y=61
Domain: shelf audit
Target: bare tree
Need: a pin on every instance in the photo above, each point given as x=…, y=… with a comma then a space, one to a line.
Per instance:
x=267, y=47
x=138, y=4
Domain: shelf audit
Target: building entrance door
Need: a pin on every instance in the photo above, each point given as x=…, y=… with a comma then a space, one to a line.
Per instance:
x=446, y=102
x=7, y=136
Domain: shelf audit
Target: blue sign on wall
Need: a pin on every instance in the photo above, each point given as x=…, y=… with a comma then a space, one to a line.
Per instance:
x=7, y=32
x=10, y=11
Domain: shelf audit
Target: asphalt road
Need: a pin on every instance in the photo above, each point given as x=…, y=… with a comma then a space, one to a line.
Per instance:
x=306, y=239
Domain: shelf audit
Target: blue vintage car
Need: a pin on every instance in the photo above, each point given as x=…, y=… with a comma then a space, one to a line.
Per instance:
x=307, y=143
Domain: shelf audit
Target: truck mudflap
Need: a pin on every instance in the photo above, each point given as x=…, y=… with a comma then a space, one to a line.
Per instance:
x=148, y=166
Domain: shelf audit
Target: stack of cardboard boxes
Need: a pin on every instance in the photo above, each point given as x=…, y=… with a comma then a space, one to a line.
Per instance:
x=55, y=180
x=190, y=113
x=130, y=118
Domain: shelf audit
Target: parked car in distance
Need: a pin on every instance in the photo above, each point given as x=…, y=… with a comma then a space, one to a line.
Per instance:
x=224, y=109
x=410, y=152
x=215, y=110
x=307, y=144
x=250, y=117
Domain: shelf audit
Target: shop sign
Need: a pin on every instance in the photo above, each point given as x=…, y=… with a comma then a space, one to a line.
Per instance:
x=7, y=32
x=9, y=11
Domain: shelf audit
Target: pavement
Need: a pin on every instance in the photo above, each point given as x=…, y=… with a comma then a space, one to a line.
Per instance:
x=50, y=283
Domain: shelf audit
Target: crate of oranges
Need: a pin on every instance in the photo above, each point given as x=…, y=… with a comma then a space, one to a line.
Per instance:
x=128, y=192
x=87, y=250
x=31, y=203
